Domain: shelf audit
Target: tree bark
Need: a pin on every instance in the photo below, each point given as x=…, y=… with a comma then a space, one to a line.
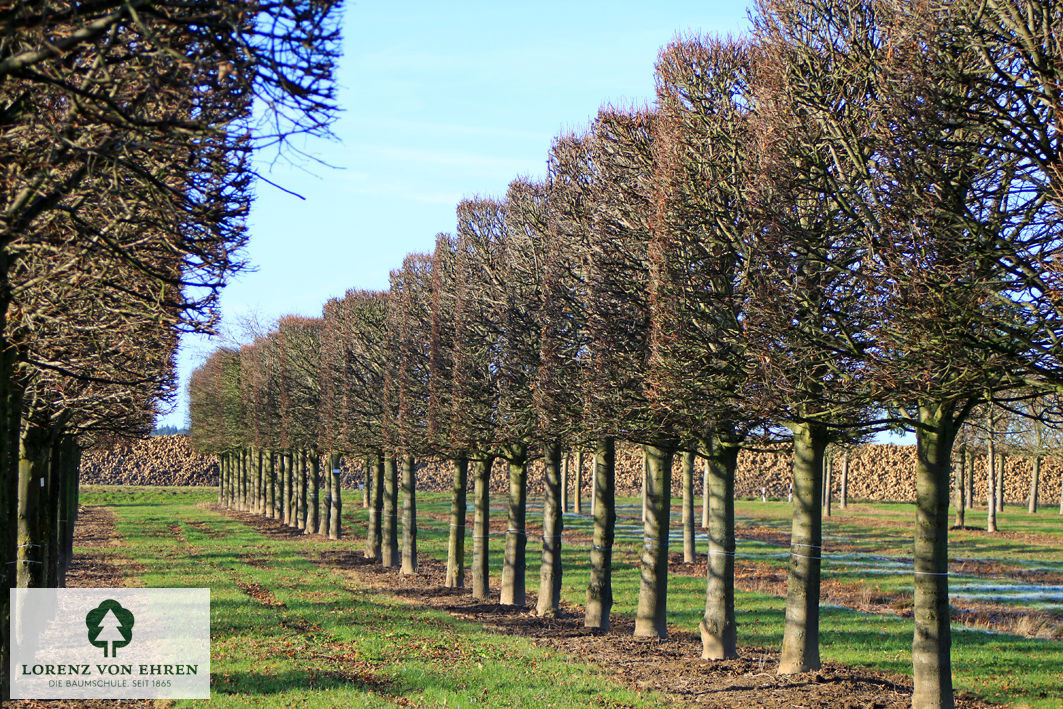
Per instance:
x=301, y=509
x=960, y=473
x=456, y=545
x=969, y=454
x=367, y=482
x=313, y=509
x=553, y=524
x=271, y=494
x=481, y=529
x=650, y=617
x=335, y=525
x=221, y=480
x=1035, y=479
x=409, y=515
x=645, y=474
x=1001, y=458
x=705, y=496
x=991, y=495
x=800, y=645
x=514, y=563
x=390, y=543
x=72, y=456
x=564, y=481
x=31, y=557
x=688, y=508
x=326, y=502
x=373, y=541
x=289, y=482
x=843, y=493
x=600, y=588
x=719, y=637
x=931, y=643
x=826, y=482
x=578, y=486
x=260, y=487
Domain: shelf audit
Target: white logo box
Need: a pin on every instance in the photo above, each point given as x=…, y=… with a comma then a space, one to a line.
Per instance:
x=110, y=643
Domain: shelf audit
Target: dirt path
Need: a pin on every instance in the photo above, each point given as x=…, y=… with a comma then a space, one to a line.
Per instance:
x=673, y=667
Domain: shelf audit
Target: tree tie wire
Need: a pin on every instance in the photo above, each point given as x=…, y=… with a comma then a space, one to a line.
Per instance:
x=516, y=531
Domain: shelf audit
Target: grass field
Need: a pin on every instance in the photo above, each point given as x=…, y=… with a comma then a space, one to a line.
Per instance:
x=290, y=632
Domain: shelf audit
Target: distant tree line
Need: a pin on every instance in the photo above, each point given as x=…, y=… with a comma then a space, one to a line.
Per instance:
x=845, y=223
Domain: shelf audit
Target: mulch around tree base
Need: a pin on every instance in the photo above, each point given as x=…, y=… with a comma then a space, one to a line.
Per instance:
x=673, y=667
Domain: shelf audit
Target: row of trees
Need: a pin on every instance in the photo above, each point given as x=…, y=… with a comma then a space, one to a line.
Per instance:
x=126, y=133
x=845, y=223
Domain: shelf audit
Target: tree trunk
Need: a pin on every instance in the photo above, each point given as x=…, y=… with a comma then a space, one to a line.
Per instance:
x=564, y=481
x=221, y=480
x=31, y=557
x=367, y=483
x=289, y=493
x=335, y=522
x=960, y=474
x=800, y=645
x=514, y=563
x=705, y=496
x=991, y=495
x=326, y=502
x=390, y=544
x=481, y=528
x=688, y=508
x=373, y=541
x=600, y=588
x=931, y=643
x=271, y=501
x=304, y=491
x=260, y=487
x=843, y=493
x=650, y=618
x=1035, y=479
x=553, y=524
x=50, y=515
x=594, y=485
x=72, y=457
x=826, y=482
x=1001, y=458
x=456, y=546
x=313, y=505
x=409, y=515
x=969, y=454
x=719, y=638
x=645, y=474
x=578, y=486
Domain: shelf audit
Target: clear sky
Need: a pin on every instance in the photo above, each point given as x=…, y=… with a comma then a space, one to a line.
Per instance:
x=440, y=101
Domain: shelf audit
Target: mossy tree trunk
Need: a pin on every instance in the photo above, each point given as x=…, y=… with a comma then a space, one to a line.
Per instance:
x=553, y=524
x=390, y=544
x=651, y=614
x=481, y=529
x=514, y=562
x=689, y=556
x=409, y=515
x=800, y=645
x=34, y=449
x=456, y=543
x=600, y=589
x=932, y=640
x=719, y=637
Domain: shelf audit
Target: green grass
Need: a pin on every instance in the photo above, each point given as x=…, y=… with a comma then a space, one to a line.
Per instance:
x=331, y=644
x=251, y=666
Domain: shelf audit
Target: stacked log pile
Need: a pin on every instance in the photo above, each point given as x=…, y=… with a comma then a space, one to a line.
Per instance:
x=876, y=472
x=158, y=460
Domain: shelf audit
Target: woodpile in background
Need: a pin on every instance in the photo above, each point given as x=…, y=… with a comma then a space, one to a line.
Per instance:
x=876, y=472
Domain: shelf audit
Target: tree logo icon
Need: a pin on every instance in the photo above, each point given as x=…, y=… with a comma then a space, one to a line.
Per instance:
x=109, y=624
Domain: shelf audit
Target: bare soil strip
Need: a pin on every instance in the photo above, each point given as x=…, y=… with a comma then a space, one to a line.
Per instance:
x=673, y=667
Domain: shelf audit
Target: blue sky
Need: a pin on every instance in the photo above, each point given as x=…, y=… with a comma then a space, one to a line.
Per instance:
x=441, y=101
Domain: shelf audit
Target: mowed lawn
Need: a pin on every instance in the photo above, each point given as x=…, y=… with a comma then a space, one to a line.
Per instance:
x=290, y=632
